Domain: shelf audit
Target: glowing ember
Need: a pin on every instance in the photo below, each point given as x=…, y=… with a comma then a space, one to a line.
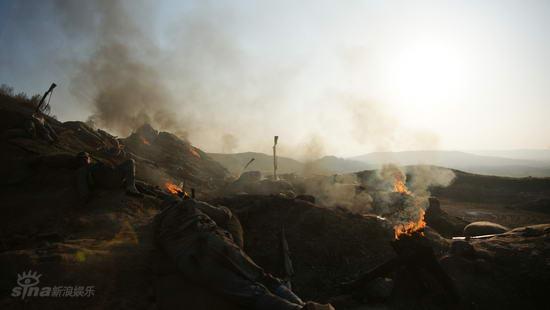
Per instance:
x=145, y=141
x=173, y=188
x=411, y=227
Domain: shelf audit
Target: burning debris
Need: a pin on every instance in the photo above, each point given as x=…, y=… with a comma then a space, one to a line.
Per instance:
x=395, y=201
x=413, y=211
x=399, y=185
x=411, y=228
x=173, y=188
x=178, y=190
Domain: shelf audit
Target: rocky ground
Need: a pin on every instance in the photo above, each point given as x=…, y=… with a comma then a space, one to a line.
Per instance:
x=106, y=242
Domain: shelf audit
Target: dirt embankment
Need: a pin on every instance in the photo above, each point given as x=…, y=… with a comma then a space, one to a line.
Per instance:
x=106, y=243
x=45, y=227
x=328, y=246
x=476, y=188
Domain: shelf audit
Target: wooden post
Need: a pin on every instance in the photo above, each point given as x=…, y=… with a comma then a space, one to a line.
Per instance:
x=275, y=139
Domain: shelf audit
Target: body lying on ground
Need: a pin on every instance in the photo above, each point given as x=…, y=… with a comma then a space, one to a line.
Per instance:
x=205, y=243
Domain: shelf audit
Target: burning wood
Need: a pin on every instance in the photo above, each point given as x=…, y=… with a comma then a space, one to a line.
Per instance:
x=145, y=141
x=415, y=256
x=178, y=190
x=172, y=188
x=412, y=226
x=399, y=185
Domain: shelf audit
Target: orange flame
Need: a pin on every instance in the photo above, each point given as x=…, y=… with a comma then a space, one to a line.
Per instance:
x=175, y=189
x=145, y=141
x=172, y=188
x=411, y=227
x=399, y=185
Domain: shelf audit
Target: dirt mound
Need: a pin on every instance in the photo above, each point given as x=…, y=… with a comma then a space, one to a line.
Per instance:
x=45, y=228
x=106, y=243
x=162, y=157
x=327, y=246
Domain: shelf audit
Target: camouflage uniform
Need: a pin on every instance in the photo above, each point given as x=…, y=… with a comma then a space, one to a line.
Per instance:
x=191, y=234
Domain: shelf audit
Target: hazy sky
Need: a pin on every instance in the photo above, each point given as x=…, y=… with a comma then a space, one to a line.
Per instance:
x=328, y=77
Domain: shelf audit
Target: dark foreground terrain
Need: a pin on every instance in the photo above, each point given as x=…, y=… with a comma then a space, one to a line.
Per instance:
x=106, y=242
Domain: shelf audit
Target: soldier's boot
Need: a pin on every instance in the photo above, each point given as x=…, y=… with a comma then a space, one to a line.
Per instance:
x=315, y=306
x=129, y=169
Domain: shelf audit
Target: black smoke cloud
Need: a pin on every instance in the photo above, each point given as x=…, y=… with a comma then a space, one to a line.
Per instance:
x=126, y=88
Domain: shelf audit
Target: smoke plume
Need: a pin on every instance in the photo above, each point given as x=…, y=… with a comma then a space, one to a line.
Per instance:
x=126, y=89
x=340, y=191
x=200, y=71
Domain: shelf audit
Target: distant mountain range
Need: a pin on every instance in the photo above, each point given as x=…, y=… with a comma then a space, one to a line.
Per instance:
x=262, y=162
x=501, y=163
x=538, y=155
x=491, y=165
